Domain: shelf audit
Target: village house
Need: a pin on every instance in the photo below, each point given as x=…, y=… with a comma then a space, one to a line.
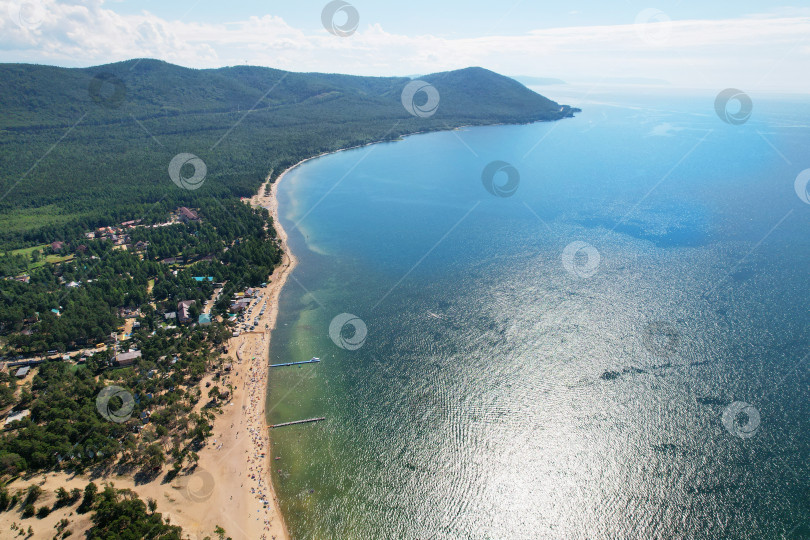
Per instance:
x=14, y=416
x=239, y=305
x=183, y=311
x=186, y=214
x=127, y=358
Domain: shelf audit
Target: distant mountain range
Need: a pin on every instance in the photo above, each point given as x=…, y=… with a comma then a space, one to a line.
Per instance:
x=35, y=95
x=606, y=81
x=537, y=81
x=96, y=142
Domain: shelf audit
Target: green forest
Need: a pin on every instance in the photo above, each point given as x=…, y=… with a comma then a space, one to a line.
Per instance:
x=85, y=150
x=232, y=244
x=76, y=156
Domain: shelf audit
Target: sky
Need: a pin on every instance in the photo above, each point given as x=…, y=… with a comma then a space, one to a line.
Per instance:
x=758, y=46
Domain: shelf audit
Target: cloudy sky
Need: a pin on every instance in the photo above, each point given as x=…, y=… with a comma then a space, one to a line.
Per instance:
x=756, y=45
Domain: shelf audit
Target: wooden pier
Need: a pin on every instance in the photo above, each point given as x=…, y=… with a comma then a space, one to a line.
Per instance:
x=308, y=420
x=311, y=361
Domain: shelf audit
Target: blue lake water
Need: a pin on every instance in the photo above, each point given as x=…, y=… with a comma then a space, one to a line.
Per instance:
x=617, y=350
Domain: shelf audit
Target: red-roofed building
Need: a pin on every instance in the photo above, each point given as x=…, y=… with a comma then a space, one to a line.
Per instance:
x=183, y=313
x=186, y=214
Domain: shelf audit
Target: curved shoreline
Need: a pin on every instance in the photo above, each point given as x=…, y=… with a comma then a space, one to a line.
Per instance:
x=267, y=197
x=249, y=511
x=215, y=493
x=257, y=389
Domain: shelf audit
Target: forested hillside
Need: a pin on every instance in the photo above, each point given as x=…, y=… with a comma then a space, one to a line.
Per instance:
x=82, y=148
x=114, y=274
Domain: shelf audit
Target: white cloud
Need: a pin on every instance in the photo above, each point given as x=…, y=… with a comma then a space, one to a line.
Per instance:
x=758, y=53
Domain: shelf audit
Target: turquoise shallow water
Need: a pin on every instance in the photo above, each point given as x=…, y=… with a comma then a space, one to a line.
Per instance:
x=511, y=387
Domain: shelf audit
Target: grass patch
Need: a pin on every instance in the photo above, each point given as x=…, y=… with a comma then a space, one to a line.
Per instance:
x=29, y=250
x=53, y=259
x=28, y=219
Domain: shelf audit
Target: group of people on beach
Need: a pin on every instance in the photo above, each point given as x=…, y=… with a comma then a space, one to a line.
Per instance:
x=255, y=381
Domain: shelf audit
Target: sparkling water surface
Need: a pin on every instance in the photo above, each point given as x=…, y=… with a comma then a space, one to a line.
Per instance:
x=506, y=391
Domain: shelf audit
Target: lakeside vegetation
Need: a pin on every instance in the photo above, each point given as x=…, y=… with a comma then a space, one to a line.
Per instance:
x=114, y=513
x=95, y=259
x=110, y=164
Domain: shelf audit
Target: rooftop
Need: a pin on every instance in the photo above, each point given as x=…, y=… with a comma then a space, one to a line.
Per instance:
x=127, y=357
x=18, y=415
x=187, y=213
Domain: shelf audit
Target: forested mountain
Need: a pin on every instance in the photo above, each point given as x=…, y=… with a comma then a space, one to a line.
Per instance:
x=82, y=148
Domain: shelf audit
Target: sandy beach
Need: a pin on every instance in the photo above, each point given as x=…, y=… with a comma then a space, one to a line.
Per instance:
x=231, y=484
x=233, y=480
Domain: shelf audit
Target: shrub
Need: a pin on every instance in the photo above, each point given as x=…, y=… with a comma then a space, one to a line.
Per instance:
x=32, y=495
x=62, y=498
x=89, y=497
x=28, y=511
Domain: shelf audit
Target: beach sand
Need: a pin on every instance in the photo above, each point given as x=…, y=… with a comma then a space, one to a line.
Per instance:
x=233, y=478
x=231, y=485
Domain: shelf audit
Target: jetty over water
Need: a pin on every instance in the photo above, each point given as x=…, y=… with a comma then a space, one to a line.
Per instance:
x=310, y=361
x=308, y=420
